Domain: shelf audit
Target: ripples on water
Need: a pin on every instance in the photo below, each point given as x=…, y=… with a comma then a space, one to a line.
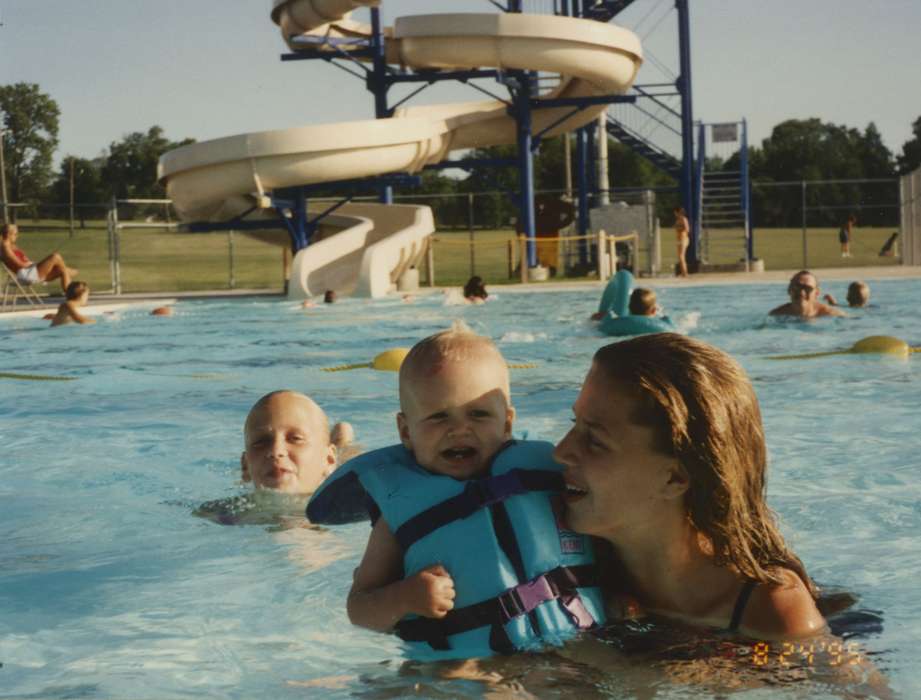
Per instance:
x=111, y=587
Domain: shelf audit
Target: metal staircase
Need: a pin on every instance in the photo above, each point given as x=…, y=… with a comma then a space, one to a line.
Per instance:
x=722, y=216
x=659, y=157
x=605, y=10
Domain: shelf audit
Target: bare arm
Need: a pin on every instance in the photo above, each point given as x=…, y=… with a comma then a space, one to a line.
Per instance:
x=380, y=597
x=76, y=316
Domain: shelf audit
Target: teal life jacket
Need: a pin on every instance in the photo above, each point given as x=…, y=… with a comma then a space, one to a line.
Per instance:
x=522, y=581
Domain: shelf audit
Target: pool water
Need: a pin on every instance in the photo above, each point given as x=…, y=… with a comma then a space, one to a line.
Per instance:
x=111, y=588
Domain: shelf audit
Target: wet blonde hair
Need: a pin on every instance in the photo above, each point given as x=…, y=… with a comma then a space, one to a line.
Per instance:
x=457, y=344
x=642, y=302
x=705, y=412
x=341, y=435
x=858, y=294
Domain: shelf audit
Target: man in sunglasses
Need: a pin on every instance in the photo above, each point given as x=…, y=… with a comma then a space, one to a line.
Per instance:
x=804, y=299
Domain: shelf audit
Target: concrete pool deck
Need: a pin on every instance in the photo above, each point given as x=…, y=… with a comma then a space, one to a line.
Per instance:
x=102, y=302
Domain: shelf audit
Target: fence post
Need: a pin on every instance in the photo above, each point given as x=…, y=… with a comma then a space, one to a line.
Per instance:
x=285, y=268
x=470, y=229
x=805, y=248
x=430, y=262
x=71, y=210
x=111, y=227
x=230, y=250
x=523, y=258
x=118, y=268
x=602, y=262
x=511, y=258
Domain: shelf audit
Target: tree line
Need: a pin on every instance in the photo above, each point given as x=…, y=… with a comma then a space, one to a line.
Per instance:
x=797, y=150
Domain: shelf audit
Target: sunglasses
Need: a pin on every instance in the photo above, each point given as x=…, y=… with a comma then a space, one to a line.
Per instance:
x=796, y=286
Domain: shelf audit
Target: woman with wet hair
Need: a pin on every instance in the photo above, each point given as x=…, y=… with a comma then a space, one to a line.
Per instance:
x=666, y=463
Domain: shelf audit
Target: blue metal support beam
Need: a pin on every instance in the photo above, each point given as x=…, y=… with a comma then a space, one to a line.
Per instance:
x=522, y=110
x=582, y=184
x=378, y=84
x=746, y=191
x=683, y=84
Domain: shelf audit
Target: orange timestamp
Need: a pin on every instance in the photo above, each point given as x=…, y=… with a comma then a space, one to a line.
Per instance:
x=832, y=653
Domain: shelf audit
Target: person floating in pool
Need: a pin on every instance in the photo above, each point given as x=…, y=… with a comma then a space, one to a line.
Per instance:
x=666, y=463
x=475, y=290
x=75, y=296
x=289, y=446
x=643, y=302
x=804, y=299
x=289, y=449
x=434, y=568
x=858, y=295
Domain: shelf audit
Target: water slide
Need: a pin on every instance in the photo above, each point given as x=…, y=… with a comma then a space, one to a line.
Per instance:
x=364, y=248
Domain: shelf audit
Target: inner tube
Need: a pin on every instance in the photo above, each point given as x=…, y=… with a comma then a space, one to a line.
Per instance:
x=635, y=325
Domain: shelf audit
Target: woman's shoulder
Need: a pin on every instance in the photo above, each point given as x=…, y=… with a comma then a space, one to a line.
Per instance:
x=782, y=610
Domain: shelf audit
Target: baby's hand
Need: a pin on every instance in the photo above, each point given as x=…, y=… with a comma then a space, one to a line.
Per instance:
x=430, y=592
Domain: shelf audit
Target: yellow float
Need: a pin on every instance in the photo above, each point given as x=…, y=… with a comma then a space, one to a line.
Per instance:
x=871, y=345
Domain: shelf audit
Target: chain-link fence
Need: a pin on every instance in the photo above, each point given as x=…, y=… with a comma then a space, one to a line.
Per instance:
x=796, y=224
x=799, y=224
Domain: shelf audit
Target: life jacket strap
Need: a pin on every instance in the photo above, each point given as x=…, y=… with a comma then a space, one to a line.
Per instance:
x=477, y=494
x=559, y=584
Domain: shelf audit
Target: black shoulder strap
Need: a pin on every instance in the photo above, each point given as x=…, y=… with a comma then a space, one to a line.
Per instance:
x=741, y=602
x=477, y=494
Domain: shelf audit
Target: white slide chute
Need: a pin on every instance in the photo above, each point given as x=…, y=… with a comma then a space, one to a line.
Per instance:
x=224, y=178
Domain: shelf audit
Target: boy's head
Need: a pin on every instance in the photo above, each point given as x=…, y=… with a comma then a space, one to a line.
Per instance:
x=858, y=294
x=287, y=441
x=75, y=290
x=643, y=302
x=455, y=409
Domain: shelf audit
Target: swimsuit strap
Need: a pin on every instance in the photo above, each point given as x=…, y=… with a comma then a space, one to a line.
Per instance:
x=741, y=602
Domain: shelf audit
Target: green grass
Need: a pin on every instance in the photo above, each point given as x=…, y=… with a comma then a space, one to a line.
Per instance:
x=158, y=260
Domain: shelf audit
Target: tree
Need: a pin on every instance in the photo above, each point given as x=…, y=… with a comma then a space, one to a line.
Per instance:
x=30, y=135
x=88, y=187
x=130, y=169
x=809, y=150
x=911, y=150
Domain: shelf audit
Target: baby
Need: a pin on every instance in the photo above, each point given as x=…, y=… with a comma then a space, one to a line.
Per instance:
x=466, y=555
x=75, y=296
x=455, y=415
x=288, y=444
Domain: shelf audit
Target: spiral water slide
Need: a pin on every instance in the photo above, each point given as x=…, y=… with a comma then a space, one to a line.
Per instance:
x=366, y=247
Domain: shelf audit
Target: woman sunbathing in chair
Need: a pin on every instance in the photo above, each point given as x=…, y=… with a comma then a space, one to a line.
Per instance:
x=27, y=272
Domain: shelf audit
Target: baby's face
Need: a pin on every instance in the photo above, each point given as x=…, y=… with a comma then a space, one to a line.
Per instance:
x=287, y=445
x=456, y=418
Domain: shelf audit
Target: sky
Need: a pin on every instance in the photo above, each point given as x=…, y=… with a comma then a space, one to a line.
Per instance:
x=210, y=68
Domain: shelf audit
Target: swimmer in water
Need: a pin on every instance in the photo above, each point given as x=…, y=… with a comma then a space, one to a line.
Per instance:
x=858, y=295
x=804, y=299
x=289, y=449
x=77, y=294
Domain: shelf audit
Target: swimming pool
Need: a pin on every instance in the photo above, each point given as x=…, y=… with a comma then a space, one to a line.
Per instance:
x=110, y=587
